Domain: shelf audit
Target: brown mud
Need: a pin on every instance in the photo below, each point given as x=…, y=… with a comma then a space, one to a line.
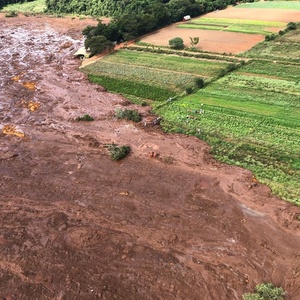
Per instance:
x=77, y=225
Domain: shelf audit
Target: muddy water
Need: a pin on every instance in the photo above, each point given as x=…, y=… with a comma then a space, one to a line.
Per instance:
x=25, y=55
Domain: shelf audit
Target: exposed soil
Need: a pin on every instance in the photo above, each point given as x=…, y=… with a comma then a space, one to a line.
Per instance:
x=77, y=225
x=222, y=41
x=210, y=40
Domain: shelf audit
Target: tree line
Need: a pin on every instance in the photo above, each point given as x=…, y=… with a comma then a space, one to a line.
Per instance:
x=166, y=10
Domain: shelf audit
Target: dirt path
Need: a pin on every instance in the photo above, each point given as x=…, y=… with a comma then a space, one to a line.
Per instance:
x=76, y=225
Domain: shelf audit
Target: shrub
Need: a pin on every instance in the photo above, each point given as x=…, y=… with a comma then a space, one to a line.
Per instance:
x=188, y=90
x=176, y=43
x=199, y=82
x=291, y=26
x=85, y=118
x=118, y=152
x=128, y=114
x=265, y=291
x=11, y=14
x=270, y=37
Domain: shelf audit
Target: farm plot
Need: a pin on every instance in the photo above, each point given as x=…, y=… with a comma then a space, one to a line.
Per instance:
x=151, y=76
x=250, y=120
x=293, y=5
x=284, y=48
x=234, y=25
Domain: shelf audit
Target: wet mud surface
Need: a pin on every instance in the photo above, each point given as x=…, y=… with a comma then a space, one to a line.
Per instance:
x=77, y=225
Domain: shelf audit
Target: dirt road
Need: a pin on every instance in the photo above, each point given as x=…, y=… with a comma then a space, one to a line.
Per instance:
x=76, y=225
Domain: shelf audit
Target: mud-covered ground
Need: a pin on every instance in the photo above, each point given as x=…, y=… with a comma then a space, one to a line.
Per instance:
x=76, y=225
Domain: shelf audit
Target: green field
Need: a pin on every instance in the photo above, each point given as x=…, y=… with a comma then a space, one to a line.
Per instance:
x=148, y=71
x=251, y=118
x=233, y=25
x=295, y=5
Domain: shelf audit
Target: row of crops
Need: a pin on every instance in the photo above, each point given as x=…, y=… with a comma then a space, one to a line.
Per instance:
x=233, y=25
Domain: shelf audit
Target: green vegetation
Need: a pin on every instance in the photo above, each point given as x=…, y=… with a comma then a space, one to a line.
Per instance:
x=128, y=114
x=150, y=76
x=36, y=6
x=86, y=118
x=172, y=10
x=295, y=5
x=251, y=119
x=234, y=25
x=176, y=43
x=284, y=48
x=117, y=152
x=265, y=291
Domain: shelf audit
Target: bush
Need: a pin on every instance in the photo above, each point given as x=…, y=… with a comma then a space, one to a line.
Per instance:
x=199, y=82
x=265, y=291
x=118, y=152
x=188, y=90
x=85, y=118
x=176, y=43
x=128, y=114
x=11, y=14
x=291, y=26
x=270, y=37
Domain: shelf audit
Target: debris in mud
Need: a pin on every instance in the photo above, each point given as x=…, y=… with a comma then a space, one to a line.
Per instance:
x=29, y=85
x=31, y=105
x=11, y=129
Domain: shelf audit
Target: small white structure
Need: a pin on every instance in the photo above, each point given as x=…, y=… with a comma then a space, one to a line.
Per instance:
x=82, y=53
x=186, y=18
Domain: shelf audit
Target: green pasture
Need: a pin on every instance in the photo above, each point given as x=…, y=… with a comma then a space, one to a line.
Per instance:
x=233, y=25
x=37, y=6
x=249, y=120
x=295, y=5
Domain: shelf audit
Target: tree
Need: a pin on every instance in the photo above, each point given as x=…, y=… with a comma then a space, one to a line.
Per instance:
x=98, y=44
x=176, y=43
x=194, y=41
x=265, y=291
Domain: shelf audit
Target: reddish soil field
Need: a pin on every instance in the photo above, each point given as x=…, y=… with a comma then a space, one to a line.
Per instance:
x=77, y=225
x=228, y=42
x=210, y=40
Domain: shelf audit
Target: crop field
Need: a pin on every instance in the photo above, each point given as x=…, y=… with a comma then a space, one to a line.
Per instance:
x=169, y=74
x=293, y=5
x=234, y=25
x=251, y=118
x=286, y=48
